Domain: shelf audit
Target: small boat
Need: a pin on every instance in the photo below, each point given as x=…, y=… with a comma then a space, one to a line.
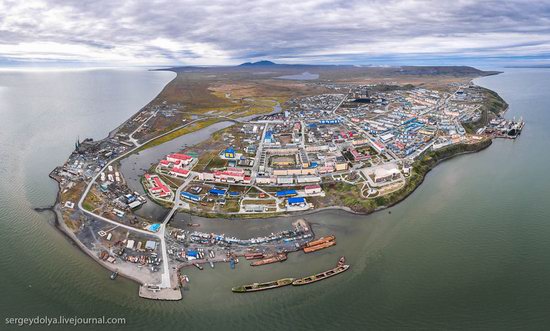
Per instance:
x=198, y=266
x=186, y=278
x=211, y=264
x=114, y=275
x=263, y=286
x=232, y=264
x=182, y=280
x=193, y=225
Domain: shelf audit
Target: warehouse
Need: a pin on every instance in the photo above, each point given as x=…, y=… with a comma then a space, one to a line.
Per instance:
x=190, y=196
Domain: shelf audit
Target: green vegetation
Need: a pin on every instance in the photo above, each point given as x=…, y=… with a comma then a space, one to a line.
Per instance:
x=492, y=106
x=216, y=163
x=180, y=132
x=493, y=102
x=92, y=200
x=204, y=161
x=343, y=194
x=231, y=206
x=267, y=202
x=389, y=88
x=88, y=206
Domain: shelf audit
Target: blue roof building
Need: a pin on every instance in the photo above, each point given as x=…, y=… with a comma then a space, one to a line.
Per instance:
x=329, y=121
x=286, y=193
x=229, y=153
x=190, y=196
x=296, y=201
x=216, y=191
x=269, y=137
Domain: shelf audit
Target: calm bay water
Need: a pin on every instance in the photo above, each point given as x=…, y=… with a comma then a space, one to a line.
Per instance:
x=467, y=250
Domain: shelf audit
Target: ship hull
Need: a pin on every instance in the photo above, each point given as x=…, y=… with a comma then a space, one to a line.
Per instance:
x=320, y=276
x=263, y=286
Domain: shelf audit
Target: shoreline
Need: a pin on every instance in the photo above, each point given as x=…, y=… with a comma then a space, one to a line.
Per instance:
x=71, y=238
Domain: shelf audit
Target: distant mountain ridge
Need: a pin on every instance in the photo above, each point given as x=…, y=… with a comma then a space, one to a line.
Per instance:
x=338, y=71
x=259, y=63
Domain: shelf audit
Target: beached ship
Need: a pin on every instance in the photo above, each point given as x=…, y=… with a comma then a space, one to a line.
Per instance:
x=263, y=286
x=341, y=267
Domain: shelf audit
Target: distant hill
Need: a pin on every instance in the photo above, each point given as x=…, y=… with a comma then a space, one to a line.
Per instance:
x=443, y=70
x=258, y=64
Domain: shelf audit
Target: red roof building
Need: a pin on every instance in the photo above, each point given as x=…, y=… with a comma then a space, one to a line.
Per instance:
x=157, y=186
x=179, y=159
x=179, y=172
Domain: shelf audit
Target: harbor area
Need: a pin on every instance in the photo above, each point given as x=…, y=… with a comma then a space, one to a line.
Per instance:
x=192, y=247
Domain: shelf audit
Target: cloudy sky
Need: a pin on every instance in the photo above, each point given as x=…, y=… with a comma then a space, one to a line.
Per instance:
x=212, y=32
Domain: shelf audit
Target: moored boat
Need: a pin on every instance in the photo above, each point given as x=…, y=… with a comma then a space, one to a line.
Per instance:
x=272, y=259
x=317, y=247
x=263, y=286
x=252, y=256
x=183, y=279
x=321, y=240
x=198, y=266
x=114, y=275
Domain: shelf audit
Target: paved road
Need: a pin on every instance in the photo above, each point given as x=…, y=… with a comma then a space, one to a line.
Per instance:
x=341, y=102
x=131, y=136
x=259, y=152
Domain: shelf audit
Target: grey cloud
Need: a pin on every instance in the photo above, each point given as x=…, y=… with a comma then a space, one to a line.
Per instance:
x=232, y=31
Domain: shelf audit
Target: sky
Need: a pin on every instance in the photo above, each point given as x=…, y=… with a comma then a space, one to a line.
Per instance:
x=212, y=32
